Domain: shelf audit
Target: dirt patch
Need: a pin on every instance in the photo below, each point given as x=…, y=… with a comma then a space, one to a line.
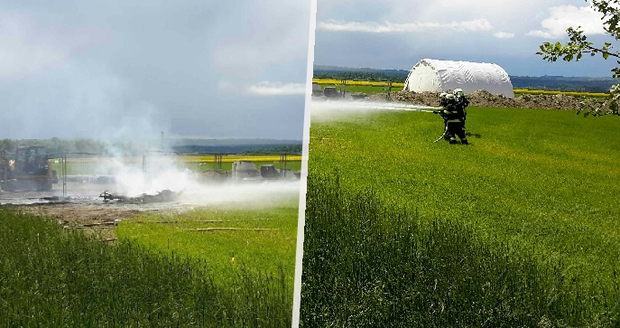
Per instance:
x=484, y=98
x=92, y=217
x=71, y=215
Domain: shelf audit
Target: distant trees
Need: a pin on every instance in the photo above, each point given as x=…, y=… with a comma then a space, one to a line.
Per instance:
x=361, y=75
x=287, y=149
x=6, y=147
x=57, y=147
x=578, y=44
x=561, y=83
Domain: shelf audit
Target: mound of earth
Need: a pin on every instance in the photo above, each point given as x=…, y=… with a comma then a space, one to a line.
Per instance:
x=483, y=98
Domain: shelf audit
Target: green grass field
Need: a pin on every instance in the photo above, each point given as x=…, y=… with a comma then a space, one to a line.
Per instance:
x=262, y=241
x=518, y=229
x=228, y=265
x=50, y=277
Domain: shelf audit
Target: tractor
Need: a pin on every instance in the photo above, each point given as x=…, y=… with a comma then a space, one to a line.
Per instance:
x=28, y=170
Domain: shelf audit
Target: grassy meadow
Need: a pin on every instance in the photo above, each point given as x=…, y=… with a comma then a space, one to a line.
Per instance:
x=228, y=265
x=56, y=278
x=518, y=229
x=262, y=241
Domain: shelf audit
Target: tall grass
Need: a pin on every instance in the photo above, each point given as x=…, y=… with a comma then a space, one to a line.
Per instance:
x=267, y=245
x=54, y=278
x=528, y=212
x=372, y=264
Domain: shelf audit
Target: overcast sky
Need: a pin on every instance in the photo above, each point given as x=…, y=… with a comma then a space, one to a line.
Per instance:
x=397, y=34
x=116, y=68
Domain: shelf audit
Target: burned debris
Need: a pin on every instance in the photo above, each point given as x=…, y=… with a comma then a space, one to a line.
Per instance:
x=163, y=196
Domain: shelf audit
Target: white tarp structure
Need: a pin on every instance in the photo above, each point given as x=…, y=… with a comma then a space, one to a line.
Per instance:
x=432, y=75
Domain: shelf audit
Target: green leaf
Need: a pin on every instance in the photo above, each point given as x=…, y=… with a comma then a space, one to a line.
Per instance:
x=605, y=55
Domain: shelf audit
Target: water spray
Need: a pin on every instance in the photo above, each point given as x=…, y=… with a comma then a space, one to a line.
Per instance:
x=329, y=110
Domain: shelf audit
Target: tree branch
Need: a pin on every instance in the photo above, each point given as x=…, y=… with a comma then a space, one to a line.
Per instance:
x=613, y=54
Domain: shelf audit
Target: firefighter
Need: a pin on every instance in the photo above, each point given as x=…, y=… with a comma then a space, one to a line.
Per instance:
x=461, y=102
x=454, y=117
x=442, y=99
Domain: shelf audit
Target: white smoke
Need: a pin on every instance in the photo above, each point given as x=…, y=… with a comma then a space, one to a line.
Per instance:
x=135, y=176
x=137, y=162
x=255, y=194
x=150, y=175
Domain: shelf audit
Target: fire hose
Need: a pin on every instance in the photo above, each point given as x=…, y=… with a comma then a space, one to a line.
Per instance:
x=445, y=130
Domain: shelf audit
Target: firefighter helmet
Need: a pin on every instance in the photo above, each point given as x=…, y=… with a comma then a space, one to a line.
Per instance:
x=458, y=92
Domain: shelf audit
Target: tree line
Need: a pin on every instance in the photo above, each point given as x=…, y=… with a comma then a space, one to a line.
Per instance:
x=57, y=147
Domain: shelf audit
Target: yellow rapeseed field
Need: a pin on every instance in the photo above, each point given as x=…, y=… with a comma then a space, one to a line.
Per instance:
x=363, y=83
x=185, y=159
x=234, y=158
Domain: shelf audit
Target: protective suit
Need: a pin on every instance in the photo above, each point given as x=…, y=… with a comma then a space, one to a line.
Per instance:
x=454, y=117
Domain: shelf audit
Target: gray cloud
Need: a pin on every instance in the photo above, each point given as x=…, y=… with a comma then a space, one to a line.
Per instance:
x=397, y=34
x=83, y=69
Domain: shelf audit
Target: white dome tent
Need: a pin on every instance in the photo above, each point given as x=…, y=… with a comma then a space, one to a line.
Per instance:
x=432, y=75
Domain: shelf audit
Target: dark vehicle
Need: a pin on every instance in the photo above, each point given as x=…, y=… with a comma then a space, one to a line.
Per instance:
x=29, y=169
x=269, y=172
x=316, y=89
x=331, y=92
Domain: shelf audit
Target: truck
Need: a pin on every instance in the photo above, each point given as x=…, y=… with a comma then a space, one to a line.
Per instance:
x=247, y=171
